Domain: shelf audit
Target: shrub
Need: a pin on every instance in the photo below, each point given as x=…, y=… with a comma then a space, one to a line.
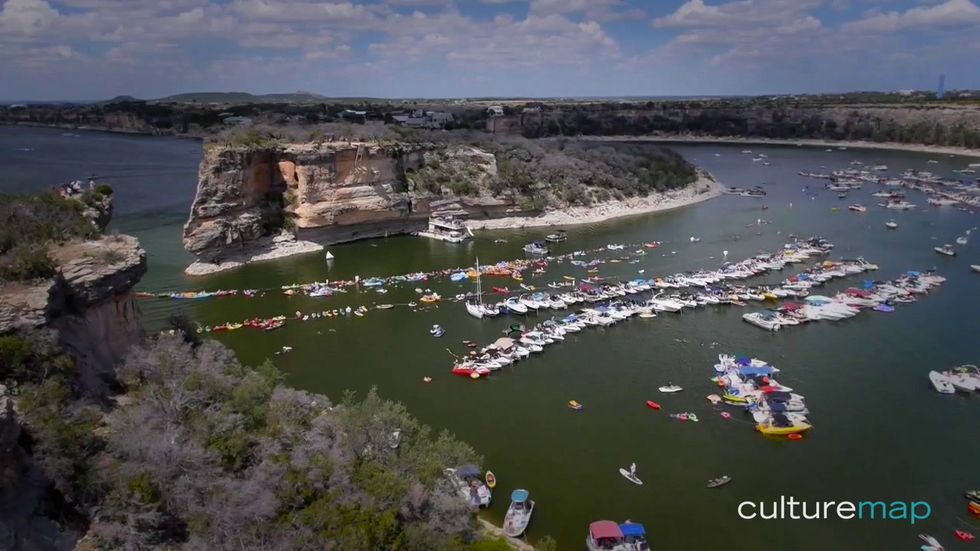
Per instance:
x=26, y=262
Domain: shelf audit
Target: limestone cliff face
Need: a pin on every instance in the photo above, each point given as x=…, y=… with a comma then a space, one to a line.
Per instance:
x=330, y=192
x=90, y=302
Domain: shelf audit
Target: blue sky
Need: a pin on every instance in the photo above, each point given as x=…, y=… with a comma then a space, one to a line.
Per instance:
x=95, y=49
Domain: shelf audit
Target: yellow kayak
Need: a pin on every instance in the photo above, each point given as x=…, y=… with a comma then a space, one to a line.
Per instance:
x=732, y=399
x=769, y=296
x=795, y=429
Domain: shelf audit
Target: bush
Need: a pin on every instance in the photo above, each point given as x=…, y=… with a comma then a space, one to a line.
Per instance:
x=26, y=262
x=41, y=218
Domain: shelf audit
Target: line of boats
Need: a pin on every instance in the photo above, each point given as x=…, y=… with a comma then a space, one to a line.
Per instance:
x=560, y=296
x=941, y=192
x=751, y=383
x=875, y=295
x=965, y=378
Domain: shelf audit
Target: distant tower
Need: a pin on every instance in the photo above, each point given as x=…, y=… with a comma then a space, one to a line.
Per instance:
x=942, y=87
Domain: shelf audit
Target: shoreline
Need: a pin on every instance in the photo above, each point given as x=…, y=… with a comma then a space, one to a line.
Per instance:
x=806, y=142
x=498, y=532
x=280, y=246
x=704, y=188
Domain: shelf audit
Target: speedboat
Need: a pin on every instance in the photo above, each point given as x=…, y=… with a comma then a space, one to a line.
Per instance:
x=670, y=388
x=765, y=320
x=536, y=247
x=857, y=208
x=961, y=240
x=779, y=424
x=891, y=224
x=514, y=305
x=720, y=481
x=518, y=514
x=946, y=250
x=941, y=383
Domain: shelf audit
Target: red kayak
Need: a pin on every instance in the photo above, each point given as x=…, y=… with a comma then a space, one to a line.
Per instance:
x=653, y=405
x=501, y=290
x=965, y=536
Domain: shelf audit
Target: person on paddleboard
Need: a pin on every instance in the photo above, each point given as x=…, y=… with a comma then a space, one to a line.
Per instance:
x=632, y=469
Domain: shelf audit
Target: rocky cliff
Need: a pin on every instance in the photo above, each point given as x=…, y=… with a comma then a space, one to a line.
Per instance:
x=89, y=302
x=330, y=192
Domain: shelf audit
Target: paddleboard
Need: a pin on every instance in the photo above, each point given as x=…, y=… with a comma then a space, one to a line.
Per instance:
x=626, y=474
x=669, y=390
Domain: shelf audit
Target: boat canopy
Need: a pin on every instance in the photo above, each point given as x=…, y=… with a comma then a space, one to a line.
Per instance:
x=519, y=496
x=504, y=343
x=469, y=471
x=605, y=529
x=750, y=371
x=633, y=529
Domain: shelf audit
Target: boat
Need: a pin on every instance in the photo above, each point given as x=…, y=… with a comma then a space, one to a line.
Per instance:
x=946, y=250
x=469, y=482
x=670, y=388
x=857, y=208
x=490, y=479
x=964, y=536
x=557, y=237
x=973, y=495
x=447, y=228
x=932, y=544
x=765, y=320
x=941, y=383
x=430, y=298
x=653, y=405
x=631, y=475
x=975, y=267
x=974, y=508
x=499, y=241
x=575, y=405
x=779, y=425
x=536, y=247
x=328, y=256
x=605, y=535
x=518, y=514
x=961, y=240
x=891, y=224
x=437, y=331
x=476, y=308
x=634, y=536
x=720, y=481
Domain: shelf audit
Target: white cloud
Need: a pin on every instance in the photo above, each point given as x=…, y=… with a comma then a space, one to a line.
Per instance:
x=26, y=17
x=952, y=13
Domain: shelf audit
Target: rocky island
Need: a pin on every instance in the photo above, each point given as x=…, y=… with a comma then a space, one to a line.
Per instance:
x=272, y=198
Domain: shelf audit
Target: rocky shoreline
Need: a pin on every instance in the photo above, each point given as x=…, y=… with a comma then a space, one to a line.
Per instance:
x=280, y=246
x=695, y=139
x=703, y=189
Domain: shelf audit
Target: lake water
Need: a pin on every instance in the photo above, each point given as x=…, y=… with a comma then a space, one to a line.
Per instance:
x=880, y=433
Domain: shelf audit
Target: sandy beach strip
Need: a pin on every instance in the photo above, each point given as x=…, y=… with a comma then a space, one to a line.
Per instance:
x=703, y=189
x=894, y=146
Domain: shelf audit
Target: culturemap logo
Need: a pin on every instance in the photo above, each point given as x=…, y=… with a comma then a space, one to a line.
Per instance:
x=789, y=508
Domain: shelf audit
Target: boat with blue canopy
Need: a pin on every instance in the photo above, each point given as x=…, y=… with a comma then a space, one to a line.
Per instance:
x=518, y=514
x=634, y=536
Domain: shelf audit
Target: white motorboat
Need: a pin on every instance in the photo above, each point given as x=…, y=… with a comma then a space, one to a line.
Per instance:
x=891, y=224
x=765, y=320
x=941, y=383
x=514, y=305
x=975, y=267
x=946, y=250
x=670, y=388
x=857, y=208
x=518, y=514
x=961, y=240
x=536, y=248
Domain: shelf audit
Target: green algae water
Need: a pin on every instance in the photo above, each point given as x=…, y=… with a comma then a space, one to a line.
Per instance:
x=881, y=432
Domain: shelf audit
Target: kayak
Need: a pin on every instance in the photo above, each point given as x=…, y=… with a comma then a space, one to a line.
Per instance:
x=491, y=480
x=726, y=415
x=631, y=477
x=575, y=405
x=653, y=405
x=720, y=481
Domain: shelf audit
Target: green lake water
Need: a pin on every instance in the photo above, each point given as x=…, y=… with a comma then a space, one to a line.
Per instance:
x=880, y=433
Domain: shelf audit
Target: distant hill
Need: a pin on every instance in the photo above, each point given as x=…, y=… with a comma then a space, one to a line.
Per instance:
x=240, y=97
x=123, y=99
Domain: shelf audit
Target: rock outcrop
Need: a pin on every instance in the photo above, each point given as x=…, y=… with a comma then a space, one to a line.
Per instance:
x=330, y=192
x=90, y=302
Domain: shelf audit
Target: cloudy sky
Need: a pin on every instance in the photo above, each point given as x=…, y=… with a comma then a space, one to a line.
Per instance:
x=95, y=49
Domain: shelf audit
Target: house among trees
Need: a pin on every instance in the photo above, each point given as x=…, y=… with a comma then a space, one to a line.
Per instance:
x=495, y=111
x=354, y=116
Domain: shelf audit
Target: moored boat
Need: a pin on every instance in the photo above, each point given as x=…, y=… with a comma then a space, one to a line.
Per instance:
x=605, y=535
x=946, y=250
x=891, y=224
x=469, y=481
x=720, y=481
x=941, y=383
x=518, y=513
